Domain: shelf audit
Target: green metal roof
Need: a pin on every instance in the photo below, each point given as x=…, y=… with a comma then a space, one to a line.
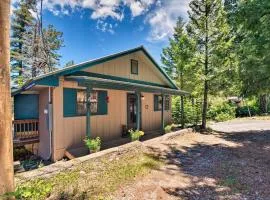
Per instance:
x=52, y=78
x=95, y=82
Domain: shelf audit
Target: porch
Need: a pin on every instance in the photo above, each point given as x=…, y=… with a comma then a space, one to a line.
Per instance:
x=25, y=132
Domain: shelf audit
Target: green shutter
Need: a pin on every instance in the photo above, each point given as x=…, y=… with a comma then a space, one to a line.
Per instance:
x=102, y=102
x=155, y=102
x=70, y=102
x=167, y=102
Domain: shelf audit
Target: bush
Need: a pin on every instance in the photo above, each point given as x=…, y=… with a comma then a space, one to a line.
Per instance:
x=168, y=129
x=223, y=117
x=244, y=111
x=221, y=110
x=93, y=144
x=39, y=189
x=135, y=135
x=192, y=110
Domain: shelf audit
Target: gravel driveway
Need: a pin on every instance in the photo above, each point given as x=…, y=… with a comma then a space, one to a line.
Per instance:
x=216, y=166
x=241, y=126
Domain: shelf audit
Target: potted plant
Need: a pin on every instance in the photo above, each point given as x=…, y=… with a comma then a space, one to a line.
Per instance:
x=135, y=135
x=93, y=144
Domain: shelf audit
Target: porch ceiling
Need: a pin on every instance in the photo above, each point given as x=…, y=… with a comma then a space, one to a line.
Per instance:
x=95, y=82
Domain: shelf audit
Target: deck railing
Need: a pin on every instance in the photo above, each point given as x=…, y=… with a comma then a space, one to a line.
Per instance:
x=25, y=129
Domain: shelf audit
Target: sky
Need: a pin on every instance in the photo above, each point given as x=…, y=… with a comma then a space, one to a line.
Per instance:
x=95, y=28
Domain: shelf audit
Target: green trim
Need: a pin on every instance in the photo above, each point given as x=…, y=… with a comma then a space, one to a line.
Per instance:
x=138, y=111
x=88, y=112
x=131, y=71
x=121, y=85
x=116, y=78
x=162, y=112
x=46, y=79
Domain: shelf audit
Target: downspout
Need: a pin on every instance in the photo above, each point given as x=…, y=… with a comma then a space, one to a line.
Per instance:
x=50, y=124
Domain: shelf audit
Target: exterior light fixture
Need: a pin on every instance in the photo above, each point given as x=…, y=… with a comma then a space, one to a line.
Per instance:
x=142, y=97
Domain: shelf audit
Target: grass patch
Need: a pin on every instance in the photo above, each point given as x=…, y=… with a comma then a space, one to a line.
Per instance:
x=93, y=179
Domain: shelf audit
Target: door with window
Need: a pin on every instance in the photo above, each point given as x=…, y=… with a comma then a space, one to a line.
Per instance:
x=131, y=111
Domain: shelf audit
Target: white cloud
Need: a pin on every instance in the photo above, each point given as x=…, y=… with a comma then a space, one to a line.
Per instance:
x=163, y=19
x=105, y=26
x=161, y=15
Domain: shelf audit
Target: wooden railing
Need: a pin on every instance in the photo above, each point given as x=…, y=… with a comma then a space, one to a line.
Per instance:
x=25, y=129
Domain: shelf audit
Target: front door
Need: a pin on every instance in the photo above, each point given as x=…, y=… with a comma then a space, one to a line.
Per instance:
x=131, y=111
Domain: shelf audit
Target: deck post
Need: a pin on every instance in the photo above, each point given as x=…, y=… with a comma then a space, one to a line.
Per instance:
x=138, y=111
x=88, y=111
x=162, y=113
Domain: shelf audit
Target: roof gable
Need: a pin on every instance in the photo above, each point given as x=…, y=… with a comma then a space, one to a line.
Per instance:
x=45, y=79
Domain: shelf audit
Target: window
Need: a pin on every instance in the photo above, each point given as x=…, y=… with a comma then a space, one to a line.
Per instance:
x=134, y=67
x=82, y=101
x=157, y=102
x=74, y=102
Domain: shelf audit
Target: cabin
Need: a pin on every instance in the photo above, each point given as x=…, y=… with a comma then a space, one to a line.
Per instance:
x=103, y=97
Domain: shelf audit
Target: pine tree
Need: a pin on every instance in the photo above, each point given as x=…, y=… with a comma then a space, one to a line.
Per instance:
x=177, y=58
x=35, y=49
x=21, y=21
x=209, y=28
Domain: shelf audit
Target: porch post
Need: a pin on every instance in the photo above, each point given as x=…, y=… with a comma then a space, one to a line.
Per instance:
x=138, y=95
x=162, y=113
x=88, y=111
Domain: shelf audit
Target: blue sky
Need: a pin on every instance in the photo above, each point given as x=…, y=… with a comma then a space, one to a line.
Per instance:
x=94, y=28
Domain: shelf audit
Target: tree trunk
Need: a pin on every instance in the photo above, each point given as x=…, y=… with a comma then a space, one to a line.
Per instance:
x=205, y=104
x=182, y=102
x=263, y=104
x=6, y=148
x=205, y=93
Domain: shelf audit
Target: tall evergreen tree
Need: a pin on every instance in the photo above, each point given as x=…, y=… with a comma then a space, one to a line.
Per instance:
x=21, y=21
x=177, y=60
x=253, y=27
x=35, y=49
x=209, y=28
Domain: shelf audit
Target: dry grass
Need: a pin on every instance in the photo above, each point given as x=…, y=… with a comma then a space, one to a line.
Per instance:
x=92, y=180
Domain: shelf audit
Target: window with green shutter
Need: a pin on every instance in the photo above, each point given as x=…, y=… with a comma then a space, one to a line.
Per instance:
x=75, y=102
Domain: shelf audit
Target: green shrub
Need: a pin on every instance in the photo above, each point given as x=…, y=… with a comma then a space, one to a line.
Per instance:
x=223, y=117
x=135, y=135
x=220, y=110
x=168, y=129
x=192, y=111
x=38, y=189
x=93, y=144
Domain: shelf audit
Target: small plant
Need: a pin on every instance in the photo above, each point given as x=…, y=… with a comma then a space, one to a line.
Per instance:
x=168, y=129
x=93, y=144
x=38, y=189
x=135, y=135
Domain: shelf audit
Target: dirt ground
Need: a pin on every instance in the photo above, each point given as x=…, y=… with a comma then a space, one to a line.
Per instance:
x=233, y=166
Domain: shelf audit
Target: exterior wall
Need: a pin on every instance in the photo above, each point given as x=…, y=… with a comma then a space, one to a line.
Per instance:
x=120, y=67
x=69, y=132
x=44, y=139
x=151, y=120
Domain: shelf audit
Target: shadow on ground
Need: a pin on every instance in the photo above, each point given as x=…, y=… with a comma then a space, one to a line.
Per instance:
x=222, y=171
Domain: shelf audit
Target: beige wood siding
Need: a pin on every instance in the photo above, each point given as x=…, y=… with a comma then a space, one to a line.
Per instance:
x=120, y=67
x=151, y=120
x=69, y=132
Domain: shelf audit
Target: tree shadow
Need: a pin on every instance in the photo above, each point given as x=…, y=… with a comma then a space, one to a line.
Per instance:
x=221, y=171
